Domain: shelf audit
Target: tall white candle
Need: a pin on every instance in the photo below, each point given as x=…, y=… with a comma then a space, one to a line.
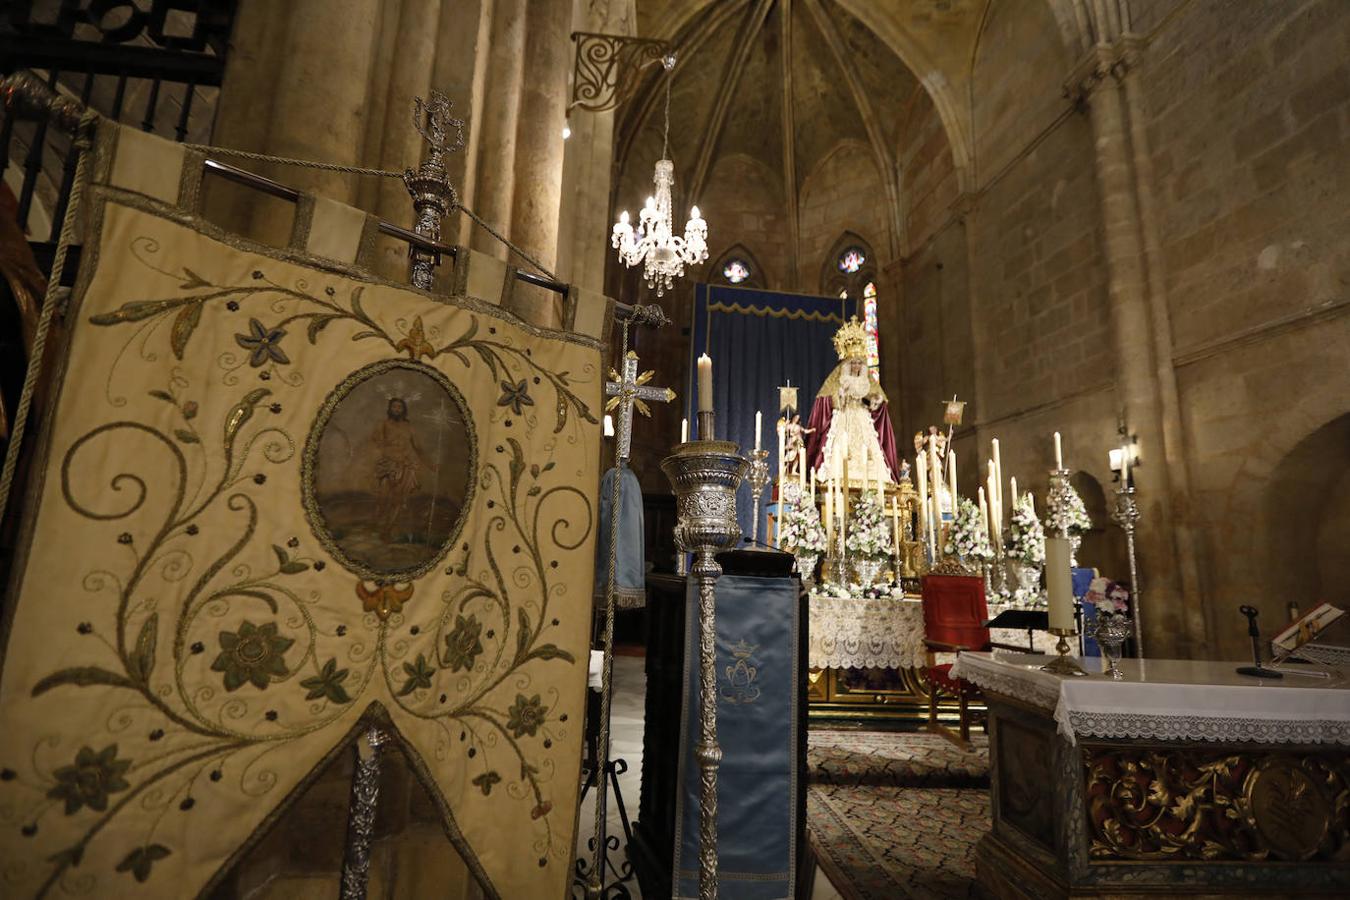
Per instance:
x=984, y=512
x=895, y=524
x=684, y=431
x=829, y=516
x=705, y=384
x=951, y=477
x=1013, y=490
x=996, y=498
x=922, y=468
x=1059, y=452
x=759, y=426
x=1059, y=583
x=813, y=487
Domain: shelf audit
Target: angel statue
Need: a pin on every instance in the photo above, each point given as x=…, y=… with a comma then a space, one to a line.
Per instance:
x=850, y=418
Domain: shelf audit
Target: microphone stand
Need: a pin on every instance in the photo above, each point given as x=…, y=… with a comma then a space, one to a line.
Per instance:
x=1256, y=670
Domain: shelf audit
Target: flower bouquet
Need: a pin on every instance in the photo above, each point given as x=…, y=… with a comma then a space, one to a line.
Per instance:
x=1066, y=514
x=966, y=539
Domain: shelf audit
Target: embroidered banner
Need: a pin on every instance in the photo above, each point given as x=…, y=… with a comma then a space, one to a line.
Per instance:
x=758, y=678
x=273, y=498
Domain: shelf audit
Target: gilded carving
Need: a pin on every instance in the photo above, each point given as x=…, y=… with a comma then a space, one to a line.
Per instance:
x=1184, y=805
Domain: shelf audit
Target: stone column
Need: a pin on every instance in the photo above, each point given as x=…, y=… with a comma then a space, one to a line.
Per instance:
x=410, y=77
x=319, y=99
x=498, y=119
x=1198, y=620
x=1096, y=83
x=460, y=72
x=537, y=195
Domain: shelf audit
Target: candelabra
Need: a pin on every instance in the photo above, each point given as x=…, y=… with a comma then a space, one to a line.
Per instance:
x=705, y=475
x=758, y=476
x=1126, y=515
x=1057, y=504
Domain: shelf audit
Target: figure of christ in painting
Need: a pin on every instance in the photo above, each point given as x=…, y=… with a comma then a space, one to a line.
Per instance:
x=398, y=460
x=850, y=418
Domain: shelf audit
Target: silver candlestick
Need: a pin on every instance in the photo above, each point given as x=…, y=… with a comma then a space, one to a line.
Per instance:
x=705, y=475
x=758, y=477
x=1057, y=505
x=1126, y=515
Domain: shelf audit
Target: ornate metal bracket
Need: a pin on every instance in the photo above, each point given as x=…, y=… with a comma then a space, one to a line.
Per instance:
x=605, y=73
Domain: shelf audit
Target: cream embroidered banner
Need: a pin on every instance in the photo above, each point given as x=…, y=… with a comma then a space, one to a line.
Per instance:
x=271, y=499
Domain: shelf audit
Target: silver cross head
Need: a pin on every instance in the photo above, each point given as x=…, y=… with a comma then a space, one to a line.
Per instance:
x=627, y=391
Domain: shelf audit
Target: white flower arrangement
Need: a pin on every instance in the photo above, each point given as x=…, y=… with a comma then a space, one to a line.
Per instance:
x=800, y=530
x=967, y=538
x=1066, y=513
x=1026, y=537
x=868, y=536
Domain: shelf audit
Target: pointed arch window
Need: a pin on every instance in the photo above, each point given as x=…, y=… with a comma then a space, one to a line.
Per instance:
x=736, y=271
x=852, y=260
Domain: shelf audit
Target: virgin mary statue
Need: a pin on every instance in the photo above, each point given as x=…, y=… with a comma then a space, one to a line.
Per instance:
x=850, y=418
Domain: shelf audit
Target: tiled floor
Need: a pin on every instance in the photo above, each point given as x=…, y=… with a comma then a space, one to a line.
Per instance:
x=626, y=743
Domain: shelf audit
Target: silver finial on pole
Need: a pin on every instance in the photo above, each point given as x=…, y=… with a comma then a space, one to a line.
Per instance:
x=432, y=193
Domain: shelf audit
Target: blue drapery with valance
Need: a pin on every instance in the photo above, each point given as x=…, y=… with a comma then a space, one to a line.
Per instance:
x=760, y=341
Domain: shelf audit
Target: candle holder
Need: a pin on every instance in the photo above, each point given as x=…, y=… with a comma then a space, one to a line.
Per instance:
x=1126, y=515
x=1064, y=663
x=1057, y=499
x=705, y=475
x=758, y=477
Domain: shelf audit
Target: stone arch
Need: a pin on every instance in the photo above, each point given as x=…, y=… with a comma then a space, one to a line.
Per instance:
x=1305, y=512
x=1103, y=546
x=742, y=252
x=832, y=281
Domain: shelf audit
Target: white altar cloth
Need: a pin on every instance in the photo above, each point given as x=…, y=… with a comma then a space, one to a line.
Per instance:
x=1172, y=700
x=859, y=633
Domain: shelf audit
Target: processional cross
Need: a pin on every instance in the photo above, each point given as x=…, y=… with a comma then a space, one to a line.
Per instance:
x=631, y=390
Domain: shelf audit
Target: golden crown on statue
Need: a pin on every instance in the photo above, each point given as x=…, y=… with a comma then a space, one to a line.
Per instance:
x=850, y=342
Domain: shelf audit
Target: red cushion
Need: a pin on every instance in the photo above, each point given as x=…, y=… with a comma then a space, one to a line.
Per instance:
x=954, y=611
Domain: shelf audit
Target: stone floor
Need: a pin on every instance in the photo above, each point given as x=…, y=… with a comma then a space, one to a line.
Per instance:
x=626, y=738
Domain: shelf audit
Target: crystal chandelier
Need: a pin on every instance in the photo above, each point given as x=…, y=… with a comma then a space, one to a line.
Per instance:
x=655, y=245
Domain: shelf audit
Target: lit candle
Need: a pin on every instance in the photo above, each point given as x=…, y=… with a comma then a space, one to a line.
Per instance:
x=684, y=431
x=759, y=425
x=951, y=477
x=996, y=498
x=705, y=388
x=1013, y=490
x=1059, y=583
x=1059, y=452
x=922, y=469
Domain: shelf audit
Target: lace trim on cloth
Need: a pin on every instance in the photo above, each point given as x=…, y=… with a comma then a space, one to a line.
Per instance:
x=1012, y=683
x=1200, y=728
x=848, y=632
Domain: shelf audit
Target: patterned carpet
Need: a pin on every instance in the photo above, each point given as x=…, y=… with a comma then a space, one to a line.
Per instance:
x=897, y=814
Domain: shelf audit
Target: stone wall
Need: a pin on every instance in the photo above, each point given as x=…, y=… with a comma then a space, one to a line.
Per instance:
x=843, y=193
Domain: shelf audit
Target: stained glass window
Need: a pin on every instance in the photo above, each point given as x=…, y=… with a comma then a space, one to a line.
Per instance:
x=851, y=260
x=870, y=323
x=736, y=271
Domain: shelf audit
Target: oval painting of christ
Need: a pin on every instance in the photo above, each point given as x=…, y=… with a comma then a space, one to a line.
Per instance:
x=388, y=470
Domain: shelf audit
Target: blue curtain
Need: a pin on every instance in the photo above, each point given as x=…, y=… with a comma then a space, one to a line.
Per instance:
x=760, y=341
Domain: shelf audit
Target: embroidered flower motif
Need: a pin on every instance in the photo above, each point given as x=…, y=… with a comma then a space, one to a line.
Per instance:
x=419, y=675
x=262, y=344
x=252, y=654
x=485, y=782
x=525, y=716
x=462, y=645
x=328, y=683
x=91, y=779
x=516, y=396
x=139, y=861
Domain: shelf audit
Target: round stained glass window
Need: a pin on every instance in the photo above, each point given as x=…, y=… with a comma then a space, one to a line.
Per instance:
x=736, y=271
x=852, y=259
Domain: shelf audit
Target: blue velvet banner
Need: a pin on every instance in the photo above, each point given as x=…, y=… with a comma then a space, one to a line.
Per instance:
x=757, y=674
x=760, y=341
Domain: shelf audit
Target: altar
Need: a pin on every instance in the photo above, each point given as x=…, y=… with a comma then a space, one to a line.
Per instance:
x=867, y=654
x=1183, y=777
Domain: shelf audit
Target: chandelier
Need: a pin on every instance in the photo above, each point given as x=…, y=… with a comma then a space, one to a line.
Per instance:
x=662, y=253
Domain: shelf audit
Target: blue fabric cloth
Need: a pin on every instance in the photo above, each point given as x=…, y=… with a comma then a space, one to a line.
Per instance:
x=759, y=341
x=757, y=676
x=630, y=569
x=1082, y=580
